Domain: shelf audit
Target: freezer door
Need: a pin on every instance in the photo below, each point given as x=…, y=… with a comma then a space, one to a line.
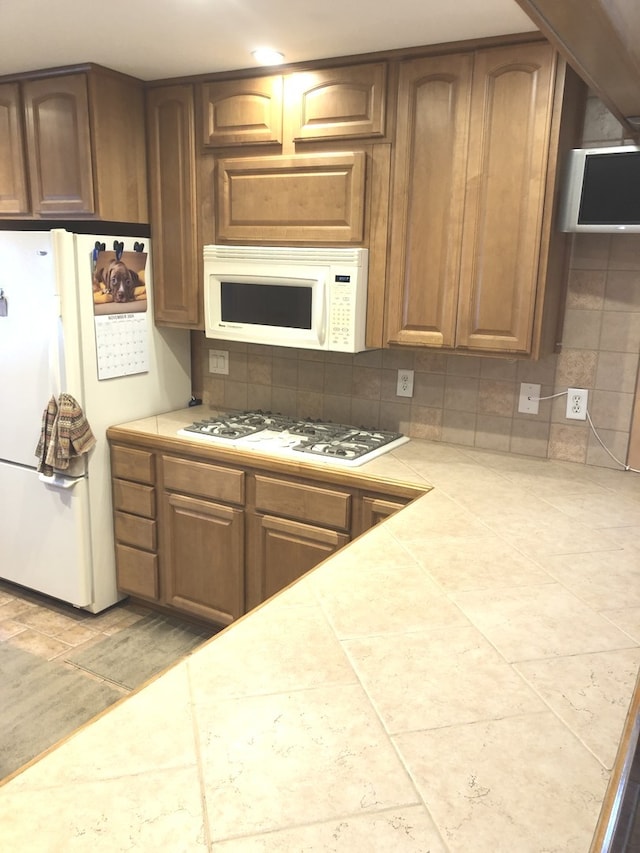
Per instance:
x=28, y=280
x=44, y=533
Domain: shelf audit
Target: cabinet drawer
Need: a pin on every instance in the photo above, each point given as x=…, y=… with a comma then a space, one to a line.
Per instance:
x=201, y=478
x=137, y=571
x=134, y=498
x=131, y=464
x=305, y=502
x=136, y=531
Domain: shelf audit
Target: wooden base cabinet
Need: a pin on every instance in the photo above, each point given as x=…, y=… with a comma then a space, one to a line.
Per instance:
x=282, y=550
x=212, y=539
x=203, y=558
x=296, y=525
x=375, y=509
x=135, y=526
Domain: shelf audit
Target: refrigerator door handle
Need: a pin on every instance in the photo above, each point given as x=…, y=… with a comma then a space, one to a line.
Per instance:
x=56, y=356
x=59, y=481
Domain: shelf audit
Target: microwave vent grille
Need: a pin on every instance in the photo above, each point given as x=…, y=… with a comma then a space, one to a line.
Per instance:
x=286, y=254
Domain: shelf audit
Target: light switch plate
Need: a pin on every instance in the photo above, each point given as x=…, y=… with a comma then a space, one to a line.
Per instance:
x=218, y=361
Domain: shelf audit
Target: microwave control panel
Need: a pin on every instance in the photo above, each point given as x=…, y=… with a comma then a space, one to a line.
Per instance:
x=343, y=305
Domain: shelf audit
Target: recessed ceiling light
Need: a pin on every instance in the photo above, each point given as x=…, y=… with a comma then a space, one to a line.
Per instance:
x=267, y=56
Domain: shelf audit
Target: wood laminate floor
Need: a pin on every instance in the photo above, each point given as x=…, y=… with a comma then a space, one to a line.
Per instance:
x=60, y=666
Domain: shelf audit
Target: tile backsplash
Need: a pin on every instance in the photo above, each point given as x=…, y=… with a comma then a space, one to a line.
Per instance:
x=473, y=400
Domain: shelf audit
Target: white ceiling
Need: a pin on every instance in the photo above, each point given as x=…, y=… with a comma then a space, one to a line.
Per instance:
x=154, y=39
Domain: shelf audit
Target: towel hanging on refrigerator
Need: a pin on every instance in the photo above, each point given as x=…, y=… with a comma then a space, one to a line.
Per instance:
x=65, y=434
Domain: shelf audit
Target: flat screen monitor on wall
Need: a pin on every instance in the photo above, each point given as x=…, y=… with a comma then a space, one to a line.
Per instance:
x=601, y=192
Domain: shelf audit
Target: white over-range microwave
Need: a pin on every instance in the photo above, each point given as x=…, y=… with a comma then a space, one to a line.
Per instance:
x=312, y=298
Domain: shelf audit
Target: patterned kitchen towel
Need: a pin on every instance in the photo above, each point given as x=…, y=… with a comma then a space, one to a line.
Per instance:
x=65, y=434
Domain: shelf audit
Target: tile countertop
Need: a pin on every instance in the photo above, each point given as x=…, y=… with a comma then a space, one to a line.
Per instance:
x=455, y=680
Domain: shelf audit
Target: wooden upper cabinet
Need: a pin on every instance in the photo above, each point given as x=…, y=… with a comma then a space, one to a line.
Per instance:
x=511, y=108
x=172, y=192
x=336, y=103
x=13, y=171
x=59, y=144
x=242, y=112
x=474, y=184
x=116, y=114
x=302, y=198
x=85, y=143
x=428, y=202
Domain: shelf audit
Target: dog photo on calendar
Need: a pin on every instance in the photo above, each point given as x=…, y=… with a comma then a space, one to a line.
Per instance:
x=119, y=281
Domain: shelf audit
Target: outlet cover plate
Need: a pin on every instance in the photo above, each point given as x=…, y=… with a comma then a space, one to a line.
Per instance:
x=577, y=404
x=528, y=402
x=405, y=383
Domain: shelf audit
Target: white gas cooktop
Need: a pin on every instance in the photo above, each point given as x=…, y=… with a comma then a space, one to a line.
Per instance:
x=278, y=435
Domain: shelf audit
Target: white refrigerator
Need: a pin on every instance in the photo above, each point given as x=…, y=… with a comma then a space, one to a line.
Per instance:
x=63, y=331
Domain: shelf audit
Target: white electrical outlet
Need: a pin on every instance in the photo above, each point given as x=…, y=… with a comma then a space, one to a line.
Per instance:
x=405, y=383
x=218, y=361
x=577, y=403
x=529, y=398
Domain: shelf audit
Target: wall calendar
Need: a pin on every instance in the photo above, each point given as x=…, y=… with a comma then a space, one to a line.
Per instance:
x=120, y=311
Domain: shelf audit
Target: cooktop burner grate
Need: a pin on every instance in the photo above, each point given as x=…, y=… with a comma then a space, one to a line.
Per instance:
x=274, y=433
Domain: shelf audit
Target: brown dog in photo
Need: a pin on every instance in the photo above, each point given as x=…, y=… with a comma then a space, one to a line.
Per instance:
x=119, y=281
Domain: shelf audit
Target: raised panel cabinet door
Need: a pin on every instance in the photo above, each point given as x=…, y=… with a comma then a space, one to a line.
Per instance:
x=511, y=112
x=337, y=103
x=375, y=510
x=429, y=175
x=242, y=112
x=13, y=169
x=304, y=198
x=282, y=550
x=59, y=144
x=172, y=187
x=202, y=558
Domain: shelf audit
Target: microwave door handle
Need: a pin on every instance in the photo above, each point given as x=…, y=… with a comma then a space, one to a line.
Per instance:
x=323, y=320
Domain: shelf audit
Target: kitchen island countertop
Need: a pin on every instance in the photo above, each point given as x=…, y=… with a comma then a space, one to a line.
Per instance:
x=457, y=679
